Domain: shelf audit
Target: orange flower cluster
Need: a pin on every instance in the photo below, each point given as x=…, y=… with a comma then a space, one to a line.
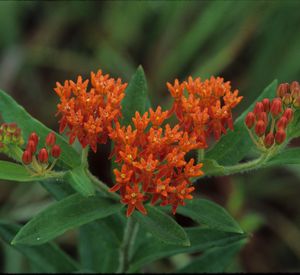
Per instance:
x=152, y=161
x=89, y=113
x=204, y=107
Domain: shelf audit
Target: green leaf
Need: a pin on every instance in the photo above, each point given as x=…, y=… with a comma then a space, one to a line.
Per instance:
x=210, y=214
x=16, y=172
x=235, y=145
x=162, y=226
x=201, y=239
x=214, y=260
x=101, y=236
x=46, y=258
x=11, y=111
x=287, y=156
x=136, y=96
x=80, y=181
x=61, y=216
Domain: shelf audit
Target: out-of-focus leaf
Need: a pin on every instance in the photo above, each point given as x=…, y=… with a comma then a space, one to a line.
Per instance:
x=233, y=146
x=80, y=181
x=46, y=258
x=287, y=156
x=99, y=244
x=210, y=214
x=162, y=226
x=11, y=111
x=66, y=214
x=216, y=259
x=201, y=239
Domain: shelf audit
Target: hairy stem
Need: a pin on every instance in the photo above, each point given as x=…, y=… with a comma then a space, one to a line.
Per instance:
x=84, y=156
x=200, y=155
x=130, y=233
x=102, y=186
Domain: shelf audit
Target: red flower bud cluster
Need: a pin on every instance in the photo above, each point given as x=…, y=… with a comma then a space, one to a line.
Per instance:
x=88, y=113
x=270, y=119
x=152, y=161
x=10, y=135
x=290, y=94
x=40, y=158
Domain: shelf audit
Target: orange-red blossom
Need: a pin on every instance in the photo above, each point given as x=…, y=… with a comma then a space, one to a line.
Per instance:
x=89, y=112
x=152, y=161
x=152, y=154
x=204, y=107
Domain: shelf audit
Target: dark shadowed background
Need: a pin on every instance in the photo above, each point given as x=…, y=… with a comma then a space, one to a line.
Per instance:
x=249, y=43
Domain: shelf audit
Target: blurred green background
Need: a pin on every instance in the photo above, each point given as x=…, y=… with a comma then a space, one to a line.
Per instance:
x=249, y=43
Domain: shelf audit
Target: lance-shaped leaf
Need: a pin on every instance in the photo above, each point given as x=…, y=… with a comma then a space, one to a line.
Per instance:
x=66, y=214
x=11, y=111
x=211, y=214
x=162, y=226
x=151, y=249
x=16, y=172
x=136, y=96
x=45, y=258
x=214, y=260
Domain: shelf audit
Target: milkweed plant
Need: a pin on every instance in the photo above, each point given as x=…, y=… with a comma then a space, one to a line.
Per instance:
x=159, y=157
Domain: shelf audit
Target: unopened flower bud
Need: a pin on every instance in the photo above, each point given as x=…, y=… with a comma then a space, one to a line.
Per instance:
x=31, y=146
x=43, y=155
x=288, y=113
x=295, y=89
x=282, y=89
x=249, y=120
x=266, y=103
x=263, y=116
x=259, y=107
x=276, y=107
x=280, y=136
x=260, y=128
x=34, y=137
x=287, y=99
x=269, y=140
x=27, y=157
x=296, y=103
x=12, y=127
x=50, y=139
x=55, y=151
x=282, y=123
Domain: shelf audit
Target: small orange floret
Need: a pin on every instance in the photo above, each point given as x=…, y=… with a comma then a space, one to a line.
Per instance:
x=206, y=108
x=89, y=112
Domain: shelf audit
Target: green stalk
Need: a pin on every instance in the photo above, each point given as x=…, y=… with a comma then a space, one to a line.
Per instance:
x=84, y=156
x=126, y=247
x=102, y=186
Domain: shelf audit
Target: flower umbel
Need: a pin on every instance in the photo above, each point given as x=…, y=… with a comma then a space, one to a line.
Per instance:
x=206, y=107
x=89, y=112
x=152, y=160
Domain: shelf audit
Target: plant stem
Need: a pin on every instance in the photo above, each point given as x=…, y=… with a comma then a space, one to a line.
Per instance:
x=200, y=155
x=102, y=186
x=84, y=156
x=130, y=233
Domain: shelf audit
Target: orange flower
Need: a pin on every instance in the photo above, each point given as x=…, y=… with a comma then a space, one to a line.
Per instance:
x=89, y=113
x=122, y=178
x=207, y=107
x=153, y=159
x=158, y=117
x=134, y=199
